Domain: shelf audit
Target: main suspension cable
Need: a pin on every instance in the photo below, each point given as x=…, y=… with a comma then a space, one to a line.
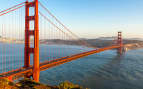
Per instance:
x=12, y=9
x=64, y=25
x=46, y=18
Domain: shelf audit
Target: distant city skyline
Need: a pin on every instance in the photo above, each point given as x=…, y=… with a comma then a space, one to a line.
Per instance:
x=95, y=18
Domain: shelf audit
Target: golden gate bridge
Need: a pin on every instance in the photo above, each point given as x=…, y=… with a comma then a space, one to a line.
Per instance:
x=20, y=54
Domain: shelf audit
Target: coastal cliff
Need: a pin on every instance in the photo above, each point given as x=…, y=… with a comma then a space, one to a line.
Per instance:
x=30, y=84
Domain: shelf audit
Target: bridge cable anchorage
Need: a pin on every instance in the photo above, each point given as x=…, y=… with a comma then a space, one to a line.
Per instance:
x=84, y=42
x=12, y=9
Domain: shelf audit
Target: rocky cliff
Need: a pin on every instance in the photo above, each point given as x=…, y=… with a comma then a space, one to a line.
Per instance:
x=30, y=84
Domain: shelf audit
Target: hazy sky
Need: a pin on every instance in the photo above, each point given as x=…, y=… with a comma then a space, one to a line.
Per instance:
x=95, y=18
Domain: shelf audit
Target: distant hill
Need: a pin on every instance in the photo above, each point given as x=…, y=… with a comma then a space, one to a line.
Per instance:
x=107, y=38
x=98, y=42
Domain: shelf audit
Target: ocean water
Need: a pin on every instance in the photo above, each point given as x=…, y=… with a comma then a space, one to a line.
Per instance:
x=105, y=70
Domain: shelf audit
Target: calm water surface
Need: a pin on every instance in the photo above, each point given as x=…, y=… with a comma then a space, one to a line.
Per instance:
x=105, y=70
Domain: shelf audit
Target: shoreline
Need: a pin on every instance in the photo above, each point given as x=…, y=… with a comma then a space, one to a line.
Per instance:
x=31, y=84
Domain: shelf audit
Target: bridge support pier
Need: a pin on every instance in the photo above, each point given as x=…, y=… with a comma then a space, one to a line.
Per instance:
x=120, y=43
x=35, y=33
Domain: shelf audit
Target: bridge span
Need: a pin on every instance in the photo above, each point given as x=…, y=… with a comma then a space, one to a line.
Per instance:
x=41, y=34
x=53, y=63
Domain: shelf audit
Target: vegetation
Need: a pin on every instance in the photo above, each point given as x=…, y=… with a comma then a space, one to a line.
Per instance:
x=30, y=84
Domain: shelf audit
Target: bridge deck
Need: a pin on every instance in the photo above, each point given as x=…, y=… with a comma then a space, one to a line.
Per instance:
x=53, y=63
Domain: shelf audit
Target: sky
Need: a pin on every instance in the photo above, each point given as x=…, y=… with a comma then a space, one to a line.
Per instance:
x=96, y=18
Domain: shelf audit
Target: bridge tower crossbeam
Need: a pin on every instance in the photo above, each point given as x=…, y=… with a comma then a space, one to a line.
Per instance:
x=120, y=42
x=35, y=33
x=34, y=70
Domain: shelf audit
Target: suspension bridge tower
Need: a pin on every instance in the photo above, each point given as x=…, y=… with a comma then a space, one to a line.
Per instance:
x=120, y=43
x=35, y=33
